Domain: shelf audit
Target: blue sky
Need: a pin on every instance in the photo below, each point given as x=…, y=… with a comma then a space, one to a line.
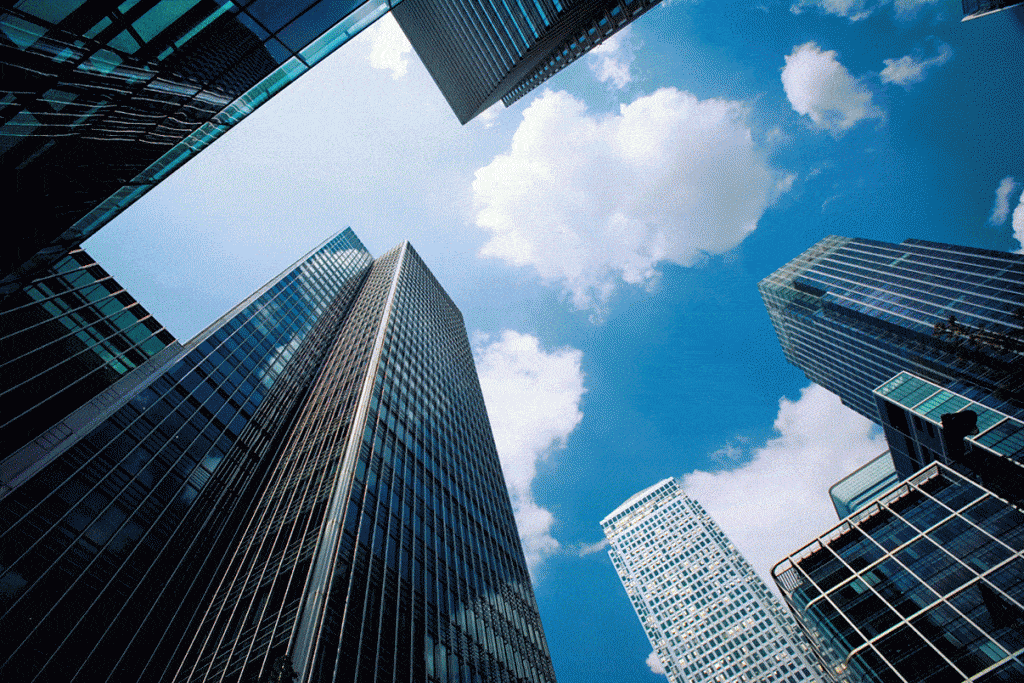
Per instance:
x=604, y=238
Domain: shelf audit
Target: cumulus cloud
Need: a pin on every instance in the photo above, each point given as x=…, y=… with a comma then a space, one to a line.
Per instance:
x=1018, y=224
x=1001, y=209
x=610, y=61
x=818, y=86
x=589, y=202
x=389, y=48
x=533, y=398
x=855, y=10
x=778, y=501
x=909, y=69
x=654, y=663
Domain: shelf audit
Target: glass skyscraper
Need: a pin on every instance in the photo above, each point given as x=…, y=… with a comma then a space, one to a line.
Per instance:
x=309, y=486
x=64, y=339
x=854, y=313
x=104, y=99
x=481, y=52
x=708, y=616
x=925, y=584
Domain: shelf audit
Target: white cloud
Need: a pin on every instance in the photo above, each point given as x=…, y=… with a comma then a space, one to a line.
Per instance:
x=533, y=398
x=611, y=60
x=591, y=201
x=591, y=548
x=855, y=10
x=1001, y=208
x=389, y=48
x=908, y=69
x=1018, y=224
x=654, y=663
x=778, y=501
x=818, y=86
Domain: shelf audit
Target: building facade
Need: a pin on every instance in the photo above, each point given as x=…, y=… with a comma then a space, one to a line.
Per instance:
x=923, y=424
x=308, y=487
x=480, y=53
x=65, y=338
x=708, y=615
x=854, y=313
x=105, y=99
x=925, y=584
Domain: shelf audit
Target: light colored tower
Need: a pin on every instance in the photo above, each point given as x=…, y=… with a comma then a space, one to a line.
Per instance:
x=709, y=617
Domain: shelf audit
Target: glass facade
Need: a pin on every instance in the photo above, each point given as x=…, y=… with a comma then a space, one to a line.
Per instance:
x=926, y=584
x=106, y=549
x=708, y=616
x=991, y=453
x=482, y=52
x=383, y=546
x=64, y=338
x=862, y=486
x=310, y=486
x=104, y=99
x=854, y=313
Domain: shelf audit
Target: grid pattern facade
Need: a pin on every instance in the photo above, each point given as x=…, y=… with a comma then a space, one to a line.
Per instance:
x=862, y=486
x=926, y=584
x=853, y=313
x=64, y=338
x=481, y=52
x=384, y=546
x=103, y=99
x=104, y=553
x=708, y=616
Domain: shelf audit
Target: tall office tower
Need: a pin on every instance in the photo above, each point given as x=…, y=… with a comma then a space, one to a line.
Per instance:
x=64, y=339
x=863, y=485
x=926, y=584
x=481, y=52
x=707, y=614
x=308, y=486
x=854, y=313
x=979, y=8
x=105, y=99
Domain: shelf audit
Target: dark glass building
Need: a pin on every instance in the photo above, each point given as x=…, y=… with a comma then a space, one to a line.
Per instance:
x=854, y=313
x=309, y=485
x=105, y=99
x=926, y=584
x=923, y=423
x=481, y=52
x=65, y=338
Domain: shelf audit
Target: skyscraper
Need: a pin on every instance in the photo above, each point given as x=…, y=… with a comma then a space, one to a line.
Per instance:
x=481, y=52
x=708, y=616
x=310, y=485
x=106, y=99
x=925, y=584
x=64, y=339
x=854, y=313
